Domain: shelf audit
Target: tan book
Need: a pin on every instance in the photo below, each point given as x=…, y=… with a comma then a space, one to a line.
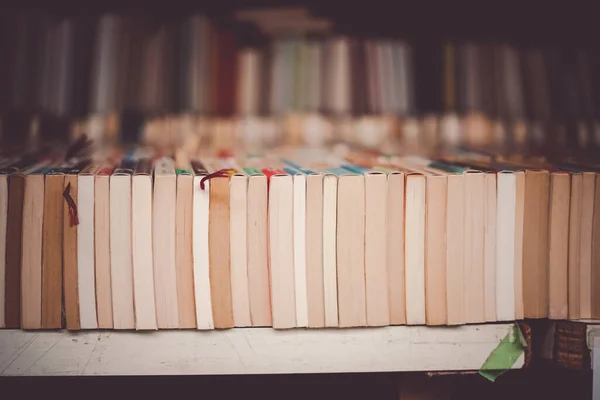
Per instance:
x=70, y=275
x=3, y=240
x=11, y=274
x=218, y=242
x=163, y=239
x=375, y=248
x=330, y=292
x=102, y=247
x=238, y=234
x=351, y=250
x=574, y=244
x=505, y=245
x=585, y=252
x=519, y=229
x=121, y=268
x=414, y=245
x=596, y=253
x=535, y=244
x=489, y=246
x=86, y=266
x=258, y=262
x=435, y=250
x=142, y=252
x=314, y=251
x=183, y=254
x=31, y=260
x=52, y=251
x=395, y=247
x=558, y=243
x=281, y=250
x=455, y=249
x=474, y=284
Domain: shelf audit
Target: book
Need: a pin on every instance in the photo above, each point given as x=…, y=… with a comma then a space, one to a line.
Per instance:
x=300, y=262
x=314, y=250
x=585, y=250
x=505, y=245
x=163, y=243
x=281, y=248
x=102, y=245
x=395, y=247
x=489, y=249
x=183, y=252
x=200, y=248
x=121, y=271
x=142, y=251
x=86, y=279
x=596, y=253
x=52, y=253
x=558, y=245
x=574, y=250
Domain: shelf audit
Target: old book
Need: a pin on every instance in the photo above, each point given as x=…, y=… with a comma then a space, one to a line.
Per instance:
x=489, y=246
x=218, y=242
x=585, y=250
x=121, y=270
x=70, y=273
x=163, y=239
x=11, y=283
x=474, y=285
x=375, y=248
x=455, y=249
x=259, y=294
x=330, y=292
x=351, y=250
x=142, y=252
x=435, y=249
x=575, y=211
x=183, y=252
x=395, y=247
x=596, y=253
x=535, y=244
x=519, y=230
x=3, y=241
x=505, y=245
x=281, y=249
x=200, y=248
x=86, y=279
x=102, y=256
x=238, y=199
x=314, y=251
x=31, y=262
x=52, y=253
x=299, y=224
x=558, y=245
x=414, y=245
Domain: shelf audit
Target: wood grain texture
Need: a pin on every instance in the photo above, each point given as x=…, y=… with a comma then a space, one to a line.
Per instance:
x=70, y=273
x=218, y=243
x=351, y=251
x=184, y=261
x=435, y=251
x=52, y=270
x=102, y=251
x=31, y=272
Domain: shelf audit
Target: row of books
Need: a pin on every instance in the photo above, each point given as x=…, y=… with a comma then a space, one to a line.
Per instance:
x=75, y=67
x=298, y=238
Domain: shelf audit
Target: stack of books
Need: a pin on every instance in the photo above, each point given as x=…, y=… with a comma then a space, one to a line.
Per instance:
x=294, y=238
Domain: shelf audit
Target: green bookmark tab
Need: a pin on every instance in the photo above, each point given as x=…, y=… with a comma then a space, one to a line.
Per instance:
x=503, y=357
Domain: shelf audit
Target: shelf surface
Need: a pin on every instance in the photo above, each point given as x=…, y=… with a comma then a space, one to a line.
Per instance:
x=249, y=351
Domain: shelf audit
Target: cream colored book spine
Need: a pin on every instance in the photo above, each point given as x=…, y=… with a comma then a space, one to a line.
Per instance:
x=395, y=248
x=102, y=255
x=163, y=238
x=299, y=217
x=505, y=245
x=330, y=292
x=455, y=249
x=489, y=249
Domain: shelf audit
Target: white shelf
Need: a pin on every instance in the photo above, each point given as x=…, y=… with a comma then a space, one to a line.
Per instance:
x=249, y=351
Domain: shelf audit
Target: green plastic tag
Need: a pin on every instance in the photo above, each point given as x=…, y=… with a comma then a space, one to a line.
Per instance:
x=503, y=357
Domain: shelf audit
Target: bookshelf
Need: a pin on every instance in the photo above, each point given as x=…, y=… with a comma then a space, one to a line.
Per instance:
x=250, y=351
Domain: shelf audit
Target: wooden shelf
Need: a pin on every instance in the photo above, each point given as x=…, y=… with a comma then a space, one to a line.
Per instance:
x=249, y=351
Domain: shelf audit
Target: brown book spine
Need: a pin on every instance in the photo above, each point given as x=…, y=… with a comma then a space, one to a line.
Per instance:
x=70, y=283
x=218, y=244
x=183, y=253
x=52, y=253
x=596, y=253
x=12, y=305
